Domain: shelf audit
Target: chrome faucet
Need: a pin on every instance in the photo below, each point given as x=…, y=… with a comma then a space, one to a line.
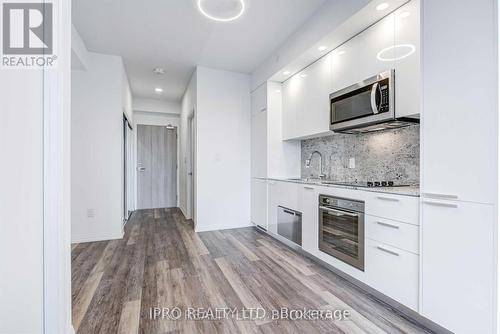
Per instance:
x=308, y=163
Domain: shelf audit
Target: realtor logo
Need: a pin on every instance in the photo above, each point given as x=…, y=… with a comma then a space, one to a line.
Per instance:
x=27, y=34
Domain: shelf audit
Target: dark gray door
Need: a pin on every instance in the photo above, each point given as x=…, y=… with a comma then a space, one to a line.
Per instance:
x=156, y=167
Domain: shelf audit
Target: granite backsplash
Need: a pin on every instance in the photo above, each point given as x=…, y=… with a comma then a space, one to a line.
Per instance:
x=392, y=155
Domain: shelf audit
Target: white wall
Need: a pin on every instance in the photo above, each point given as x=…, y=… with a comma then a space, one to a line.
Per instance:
x=188, y=106
x=223, y=150
x=159, y=119
x=97, y=148
x=158, y=106
x=21, y=201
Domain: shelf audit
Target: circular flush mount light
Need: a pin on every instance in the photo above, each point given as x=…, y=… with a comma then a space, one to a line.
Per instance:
x=222, y=10
x=159, y=90
x=396, y=52
x=287, y=73
x=322, y=48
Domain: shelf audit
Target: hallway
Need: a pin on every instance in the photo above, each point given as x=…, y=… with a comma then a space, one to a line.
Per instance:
x=162, y=263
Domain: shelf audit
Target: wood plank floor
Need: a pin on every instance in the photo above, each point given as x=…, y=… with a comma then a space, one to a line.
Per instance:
x=162, y=263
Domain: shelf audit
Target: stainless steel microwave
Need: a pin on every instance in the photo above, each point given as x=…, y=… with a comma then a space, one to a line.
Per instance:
x=365, y=106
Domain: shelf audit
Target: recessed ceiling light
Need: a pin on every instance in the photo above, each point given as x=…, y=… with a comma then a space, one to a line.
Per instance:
x=222, y=10
x=322, y=48
x=158, y=90
x=341, y=52
x=303, y=75
x=159, y=71
x=404, y=15
x=287, y=73
x=382, y=6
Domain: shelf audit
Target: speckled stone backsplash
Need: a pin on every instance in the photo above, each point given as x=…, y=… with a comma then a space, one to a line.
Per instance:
x=392, y=155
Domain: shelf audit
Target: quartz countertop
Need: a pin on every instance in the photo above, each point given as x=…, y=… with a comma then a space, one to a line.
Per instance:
x=413, y=190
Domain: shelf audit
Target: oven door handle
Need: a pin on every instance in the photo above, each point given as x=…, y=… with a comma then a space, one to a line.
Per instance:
x=346, y=213
x=373, y=98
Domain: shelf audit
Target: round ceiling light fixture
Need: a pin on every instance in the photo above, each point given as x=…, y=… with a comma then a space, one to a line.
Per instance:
x=222, y=10
x=396, y=52
x=159, y=71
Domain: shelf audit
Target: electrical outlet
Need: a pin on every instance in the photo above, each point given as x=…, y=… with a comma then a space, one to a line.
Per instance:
x=352, y=163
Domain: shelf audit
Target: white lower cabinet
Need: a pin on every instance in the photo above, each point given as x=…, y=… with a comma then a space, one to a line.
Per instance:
x=392, y=271
x=458, y=265
x=400, y=235
x=308, y=205
x=259, y=202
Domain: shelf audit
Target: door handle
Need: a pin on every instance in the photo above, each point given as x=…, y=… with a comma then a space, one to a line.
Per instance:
x=390, y=199
x=141, y=169
x=383, y=249
x=443, y=204
x=440, y=196
x=388, y=225
x=373, y=100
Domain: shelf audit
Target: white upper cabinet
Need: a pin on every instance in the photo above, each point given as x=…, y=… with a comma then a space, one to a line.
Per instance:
x=292, y=94
x=459, y=121
x=407, y=55
x=313, y=112
x=259, y=132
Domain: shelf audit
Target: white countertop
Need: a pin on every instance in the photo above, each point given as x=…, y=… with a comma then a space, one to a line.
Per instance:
x=413, y=191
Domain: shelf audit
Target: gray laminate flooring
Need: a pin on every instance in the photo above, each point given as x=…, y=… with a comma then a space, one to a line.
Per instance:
x=161, y=264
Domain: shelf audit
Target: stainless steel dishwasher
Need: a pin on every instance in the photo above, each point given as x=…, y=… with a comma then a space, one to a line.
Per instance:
x=290, y=225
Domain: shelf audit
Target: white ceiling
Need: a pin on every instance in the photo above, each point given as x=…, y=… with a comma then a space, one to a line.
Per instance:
x=174, y=35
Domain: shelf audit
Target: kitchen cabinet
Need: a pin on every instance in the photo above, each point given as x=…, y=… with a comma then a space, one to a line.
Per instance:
x=458, y=271
x=259, y=202
x=306, y=106
x=459, y=121
x=259, y=143
x=292, y=93
x=407, y=66
x=392, y=271
x=308, y=205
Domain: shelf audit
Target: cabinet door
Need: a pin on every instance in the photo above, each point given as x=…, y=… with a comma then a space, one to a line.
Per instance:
x=313, y=113
x=407, y=65
x=259, y=145
x=458, y=268
x=283, y=194
x=272, y=205
x=358, y=59
x=459, y=121
x=308, y=205
x=259, y=202
x=292, y=89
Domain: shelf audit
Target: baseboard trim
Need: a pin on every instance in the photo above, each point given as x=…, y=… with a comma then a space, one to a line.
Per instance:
x=94, y=239
x=209, y=228
x=406, y=312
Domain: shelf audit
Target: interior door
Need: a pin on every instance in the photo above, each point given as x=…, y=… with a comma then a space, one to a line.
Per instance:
x=156, y=166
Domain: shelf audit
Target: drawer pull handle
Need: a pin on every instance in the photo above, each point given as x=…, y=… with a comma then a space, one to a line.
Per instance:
x=388, y=225
x=383, y=249
x=442, y=196
x=390, y=199
x=309, y=188
x=443, y=204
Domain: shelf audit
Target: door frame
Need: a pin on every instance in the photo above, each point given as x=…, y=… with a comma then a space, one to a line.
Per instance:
x=57, y=301
x=191, y=167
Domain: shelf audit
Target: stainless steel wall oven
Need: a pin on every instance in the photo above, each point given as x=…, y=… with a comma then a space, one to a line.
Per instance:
x=342, y=229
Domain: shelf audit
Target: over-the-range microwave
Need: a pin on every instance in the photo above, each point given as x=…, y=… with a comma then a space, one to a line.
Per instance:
x=366, y=106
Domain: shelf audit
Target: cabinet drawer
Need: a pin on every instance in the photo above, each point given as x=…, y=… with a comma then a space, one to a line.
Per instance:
x=393, y=272
x=393, y=233
x=395, y=207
